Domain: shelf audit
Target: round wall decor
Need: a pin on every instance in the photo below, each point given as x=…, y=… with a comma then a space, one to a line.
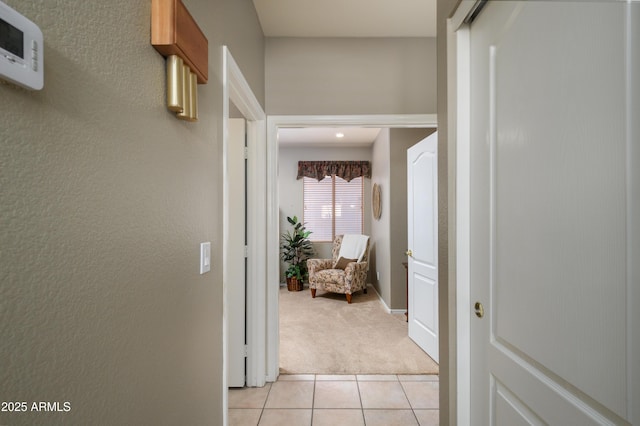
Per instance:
x=375, y=201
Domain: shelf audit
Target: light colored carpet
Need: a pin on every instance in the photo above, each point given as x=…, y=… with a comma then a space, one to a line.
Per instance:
x=326, y=335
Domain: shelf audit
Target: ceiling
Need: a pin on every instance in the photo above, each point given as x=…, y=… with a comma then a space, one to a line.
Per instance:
x=343, y=18
x=347, y=18
x=326, y=137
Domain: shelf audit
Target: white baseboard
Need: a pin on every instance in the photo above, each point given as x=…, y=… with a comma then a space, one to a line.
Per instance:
x=384, y=305
x=370, y=287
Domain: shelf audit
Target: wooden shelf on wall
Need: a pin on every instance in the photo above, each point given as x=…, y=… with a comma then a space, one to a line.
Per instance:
x=175, y=32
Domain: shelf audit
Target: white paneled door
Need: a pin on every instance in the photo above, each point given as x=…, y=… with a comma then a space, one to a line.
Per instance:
x=552, y=194
x=422, y=199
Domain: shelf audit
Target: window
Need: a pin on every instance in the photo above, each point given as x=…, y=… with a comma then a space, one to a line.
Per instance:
x=332, y=207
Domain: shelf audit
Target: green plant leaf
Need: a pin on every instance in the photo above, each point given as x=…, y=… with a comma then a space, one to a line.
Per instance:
x=296, y=248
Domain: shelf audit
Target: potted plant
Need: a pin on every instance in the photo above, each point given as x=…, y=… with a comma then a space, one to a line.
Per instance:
x=296, y=249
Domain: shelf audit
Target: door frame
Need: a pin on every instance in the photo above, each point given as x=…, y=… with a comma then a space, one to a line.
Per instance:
x=275, y=122
x=236, y=89
x=459, y=131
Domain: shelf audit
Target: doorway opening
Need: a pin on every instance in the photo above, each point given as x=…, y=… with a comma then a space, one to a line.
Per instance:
x=274, y=123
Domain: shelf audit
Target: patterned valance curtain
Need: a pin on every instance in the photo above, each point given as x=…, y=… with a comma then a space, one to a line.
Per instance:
x=347, y=170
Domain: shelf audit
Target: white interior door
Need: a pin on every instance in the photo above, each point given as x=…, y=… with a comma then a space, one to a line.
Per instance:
x=422, y=199
x=236, y=261
x=553, y=229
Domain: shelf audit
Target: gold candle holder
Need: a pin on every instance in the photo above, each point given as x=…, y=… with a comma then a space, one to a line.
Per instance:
x=182, y=89
x=175, y=95
x=186, y=94
x=194, y=97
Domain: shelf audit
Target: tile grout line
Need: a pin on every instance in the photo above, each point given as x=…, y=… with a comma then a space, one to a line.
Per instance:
x=413, y=411
x=264, y=404
x=364, y=419
x=313, y=396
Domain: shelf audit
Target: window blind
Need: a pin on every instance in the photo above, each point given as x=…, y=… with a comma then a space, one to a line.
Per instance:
x=333, y=207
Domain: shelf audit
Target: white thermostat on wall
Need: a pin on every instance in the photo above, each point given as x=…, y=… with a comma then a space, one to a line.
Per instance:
x=21, y=50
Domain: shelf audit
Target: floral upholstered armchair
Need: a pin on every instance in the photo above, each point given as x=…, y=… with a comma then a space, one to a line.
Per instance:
x=346, y=271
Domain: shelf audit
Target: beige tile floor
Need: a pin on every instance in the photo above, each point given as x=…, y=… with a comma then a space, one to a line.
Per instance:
x=349, y=400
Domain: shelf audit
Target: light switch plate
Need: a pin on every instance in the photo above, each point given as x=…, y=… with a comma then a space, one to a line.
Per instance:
x=205, y=257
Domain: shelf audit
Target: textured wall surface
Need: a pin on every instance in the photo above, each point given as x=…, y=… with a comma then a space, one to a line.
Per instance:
x=351, y=76
x=380, y=229
x=104, y=199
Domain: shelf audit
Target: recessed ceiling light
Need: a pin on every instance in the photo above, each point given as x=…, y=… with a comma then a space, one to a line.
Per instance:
x=339, y=135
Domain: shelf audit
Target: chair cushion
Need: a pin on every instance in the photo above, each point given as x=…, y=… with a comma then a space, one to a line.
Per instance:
x=343, y=262
x=330, y=276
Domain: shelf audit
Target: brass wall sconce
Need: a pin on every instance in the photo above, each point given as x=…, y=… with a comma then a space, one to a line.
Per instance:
x=175, y=34
x=182, y=89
